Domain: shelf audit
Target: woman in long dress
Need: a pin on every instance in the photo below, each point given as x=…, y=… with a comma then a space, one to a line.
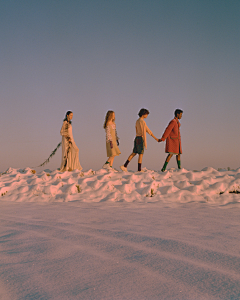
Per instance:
x=70, y=151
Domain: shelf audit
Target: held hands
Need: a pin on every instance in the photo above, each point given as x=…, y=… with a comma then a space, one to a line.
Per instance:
x=111, y=144
x=158, y=140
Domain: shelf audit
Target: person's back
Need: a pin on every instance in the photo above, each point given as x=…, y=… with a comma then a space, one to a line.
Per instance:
x=140, y=140
x=173, y=139
x=141, y=129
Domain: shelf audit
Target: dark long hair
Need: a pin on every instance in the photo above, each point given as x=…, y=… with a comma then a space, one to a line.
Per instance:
x=67, y=114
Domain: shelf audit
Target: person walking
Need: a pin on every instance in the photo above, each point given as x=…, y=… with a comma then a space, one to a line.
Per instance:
x=70, y=151
x=112, y=140
x=173, y=139
x=140, y=141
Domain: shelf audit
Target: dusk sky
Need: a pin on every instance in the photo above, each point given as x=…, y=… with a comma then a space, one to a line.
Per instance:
x=122, y=55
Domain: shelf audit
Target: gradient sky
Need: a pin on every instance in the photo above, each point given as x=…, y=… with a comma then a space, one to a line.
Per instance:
x=122, y=55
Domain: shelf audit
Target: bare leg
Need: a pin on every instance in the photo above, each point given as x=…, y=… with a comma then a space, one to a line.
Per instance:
x=166, y=162
x=169, y=157
x=131, y=156
x=110, y=160
x=124, y=167
x=140, y=157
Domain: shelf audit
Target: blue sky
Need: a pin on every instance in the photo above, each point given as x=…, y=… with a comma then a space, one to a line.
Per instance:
x=93, y=56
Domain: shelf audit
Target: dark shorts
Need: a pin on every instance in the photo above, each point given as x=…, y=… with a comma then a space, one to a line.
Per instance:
x=138, y=145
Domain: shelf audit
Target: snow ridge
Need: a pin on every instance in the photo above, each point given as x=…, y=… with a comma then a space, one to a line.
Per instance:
x=208, y=185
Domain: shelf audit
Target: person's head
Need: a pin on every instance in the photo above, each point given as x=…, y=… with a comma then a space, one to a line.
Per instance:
x=143, y=112
x=110, y=116
x=68, y=116
x=178, y=113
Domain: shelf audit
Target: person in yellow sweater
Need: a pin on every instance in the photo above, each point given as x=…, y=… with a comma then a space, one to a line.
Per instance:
x=140, y=141
x=112, y=140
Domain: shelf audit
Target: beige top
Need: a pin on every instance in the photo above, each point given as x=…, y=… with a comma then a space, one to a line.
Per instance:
x=108, y=132
x=141, y=129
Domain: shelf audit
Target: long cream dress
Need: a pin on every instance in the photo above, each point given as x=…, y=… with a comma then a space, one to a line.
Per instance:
x=70, y=151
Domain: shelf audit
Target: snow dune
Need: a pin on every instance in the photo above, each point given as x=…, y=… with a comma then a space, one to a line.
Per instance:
x=125, y=236
x=181, y=186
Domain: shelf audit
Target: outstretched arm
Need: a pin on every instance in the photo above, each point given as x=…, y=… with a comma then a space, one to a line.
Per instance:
x=117, y=138
x=167, y=131
x=154, y=137
x=150, y=133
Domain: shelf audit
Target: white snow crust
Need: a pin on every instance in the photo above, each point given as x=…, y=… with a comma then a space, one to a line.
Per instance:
x=176, y=186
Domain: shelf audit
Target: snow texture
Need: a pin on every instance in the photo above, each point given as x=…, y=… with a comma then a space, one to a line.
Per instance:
x=101, y=235
x=209, y=185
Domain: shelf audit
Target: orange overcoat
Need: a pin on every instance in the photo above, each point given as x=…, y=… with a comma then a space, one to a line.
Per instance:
x=172, y=134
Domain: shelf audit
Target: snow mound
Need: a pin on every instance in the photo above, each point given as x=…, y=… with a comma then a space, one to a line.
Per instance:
x=208, y=185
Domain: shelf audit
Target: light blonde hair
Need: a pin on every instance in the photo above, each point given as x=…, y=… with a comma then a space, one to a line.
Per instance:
x=108, y=117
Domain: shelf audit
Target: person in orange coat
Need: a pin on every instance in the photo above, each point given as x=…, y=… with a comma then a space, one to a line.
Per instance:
x=173, y=142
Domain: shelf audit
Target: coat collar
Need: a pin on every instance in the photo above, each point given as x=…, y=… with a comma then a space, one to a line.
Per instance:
x=179, y=124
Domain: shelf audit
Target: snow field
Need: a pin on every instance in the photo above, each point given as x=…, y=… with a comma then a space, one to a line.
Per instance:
x=120, y=251
x=182, y=186
x=115, y=235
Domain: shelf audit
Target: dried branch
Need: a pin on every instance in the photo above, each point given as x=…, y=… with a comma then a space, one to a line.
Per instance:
x=51, y=155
